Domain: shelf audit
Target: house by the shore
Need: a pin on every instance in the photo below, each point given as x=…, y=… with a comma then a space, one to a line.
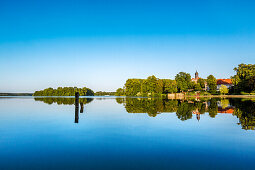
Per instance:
x=226, y=82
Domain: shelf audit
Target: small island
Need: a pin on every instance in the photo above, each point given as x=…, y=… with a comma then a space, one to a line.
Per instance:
x=65, y=91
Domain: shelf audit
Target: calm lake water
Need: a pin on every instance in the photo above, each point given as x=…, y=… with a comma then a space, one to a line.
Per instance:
x=126, y=133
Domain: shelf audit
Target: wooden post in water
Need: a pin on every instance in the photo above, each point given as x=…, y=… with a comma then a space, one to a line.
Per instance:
x=76, y=120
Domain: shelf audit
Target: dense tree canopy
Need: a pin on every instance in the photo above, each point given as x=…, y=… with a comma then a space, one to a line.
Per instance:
x=147, y=87
x=244, y=80
x=183, y=81
x=120, y=92
x=64, y=91
x=169, y=86
x=201, y=82
x=212, y=84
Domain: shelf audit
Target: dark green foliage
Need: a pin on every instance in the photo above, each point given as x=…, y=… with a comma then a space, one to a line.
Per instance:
x=184, y=111
x=197, y=87
x=245, y=112
x=170, y=86
x=212, y=84
x=201, y=82
x=151, y=86
x=213, y=107
x=183, y=81
x=120, y=100
x=65, y=91
x=244, y=80
x=120, y=92
x=133, y=86
x=153, y=106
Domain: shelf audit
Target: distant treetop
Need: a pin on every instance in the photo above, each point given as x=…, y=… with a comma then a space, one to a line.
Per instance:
x=64, y=91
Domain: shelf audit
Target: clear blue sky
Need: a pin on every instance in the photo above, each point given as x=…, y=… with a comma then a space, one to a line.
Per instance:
x=99, y=43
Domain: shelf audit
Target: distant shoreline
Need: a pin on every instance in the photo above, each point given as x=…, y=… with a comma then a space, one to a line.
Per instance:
x=186, y=96
x=16, y=94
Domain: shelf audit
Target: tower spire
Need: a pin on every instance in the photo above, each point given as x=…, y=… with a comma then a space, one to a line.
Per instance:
x=196, y=75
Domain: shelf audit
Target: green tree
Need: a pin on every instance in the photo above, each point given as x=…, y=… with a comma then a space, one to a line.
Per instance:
x=223, y=89
x=213, y=108
x=170, y=86
x=197, y=87
x=66, y=91
x=183, y=81
x=132, y=87
x=159, y=86
x=152, y=84
x=212, y=84
x=224, y=103
x=244, y=80
x=184, y=111
x=119, y=92
x=201, y=82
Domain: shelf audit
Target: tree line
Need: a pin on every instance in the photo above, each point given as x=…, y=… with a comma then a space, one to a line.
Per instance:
x=243, y=81
x=64, y=91
x=153, y=86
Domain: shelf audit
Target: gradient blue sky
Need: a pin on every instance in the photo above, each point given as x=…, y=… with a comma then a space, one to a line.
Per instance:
x=99, y=43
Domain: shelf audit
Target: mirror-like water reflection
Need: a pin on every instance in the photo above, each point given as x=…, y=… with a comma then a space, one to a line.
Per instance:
x=243, y=109
x=126, y=133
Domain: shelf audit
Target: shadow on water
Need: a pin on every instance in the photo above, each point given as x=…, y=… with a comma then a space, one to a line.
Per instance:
x=243, y=109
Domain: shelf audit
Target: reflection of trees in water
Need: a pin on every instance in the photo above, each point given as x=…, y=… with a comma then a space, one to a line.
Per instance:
x=152, y=106
x=224, y=103
x=184, y=110
x=120, y=100
x=156, y=106
x=213, y=107
x=62, y=100
x=245, y=112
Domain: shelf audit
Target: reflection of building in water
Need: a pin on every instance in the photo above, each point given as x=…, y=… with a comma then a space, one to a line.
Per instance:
x=197, y=114
x=229, y=110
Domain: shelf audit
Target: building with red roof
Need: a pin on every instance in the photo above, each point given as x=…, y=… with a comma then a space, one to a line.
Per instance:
x=226, y=82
